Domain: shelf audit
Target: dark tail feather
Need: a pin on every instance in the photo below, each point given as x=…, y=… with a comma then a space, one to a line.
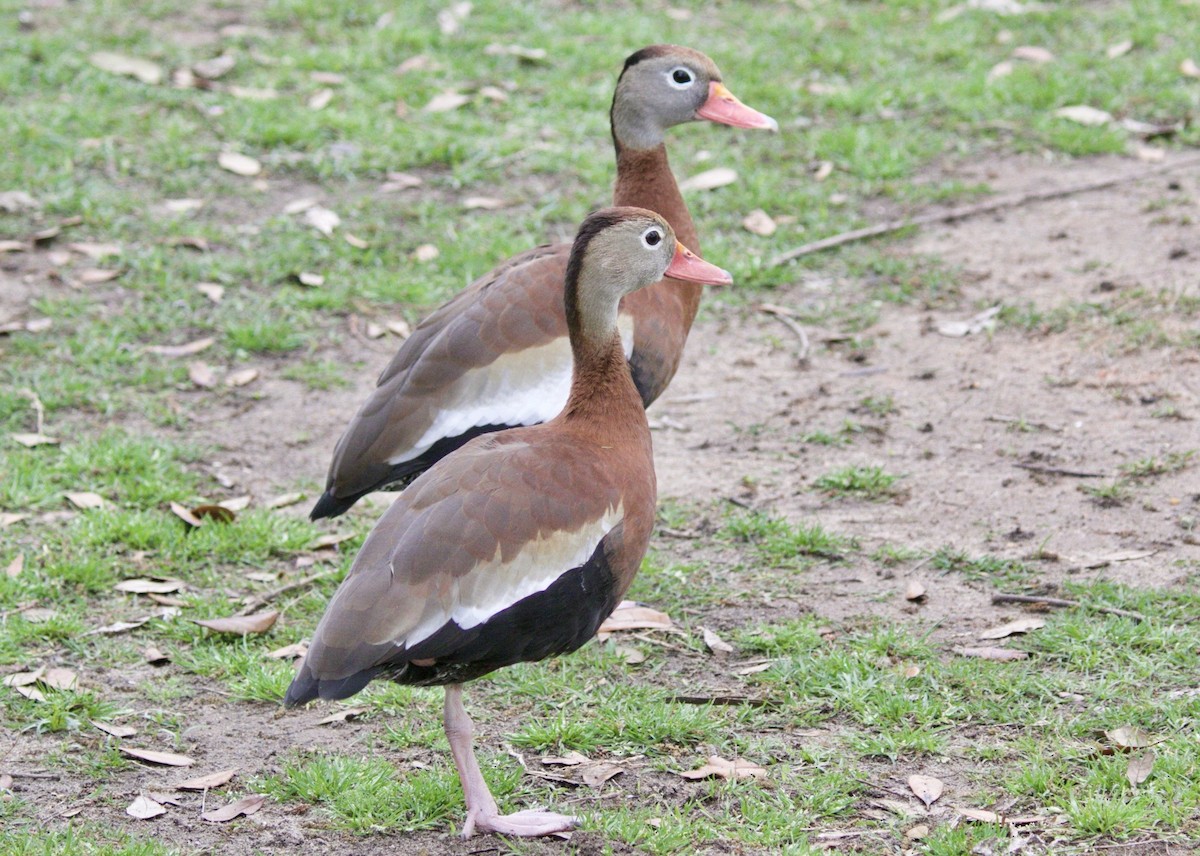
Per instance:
x=306, y=687
x=331, y=506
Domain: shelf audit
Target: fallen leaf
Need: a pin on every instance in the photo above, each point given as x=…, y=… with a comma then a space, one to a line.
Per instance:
x=493, y=93
x=710, y=179
x=114, y=730
x=115, y=63
x=1082, y=114
x=147, y=586
x=631, y=616
x=823, y=171
x=60, y=679
x=15, y=201
x=1001, y=69
x=400, y=181
x=144, y=808
x=241, y=377
x=328, y=78
x=1140, y=767
x=248, y=93
x=15, y=567
x=992, y=653
x=299, y=206
x=185, y=350
x=355, y=241
x=759, y=222
x=182, y=206
x=1189, y=68
x=755, y=668
x=10, y=246
x=241, y=625
x=192, y=242
x=399, y=327
x=597, y=773
x=262, y=576
x=202, y=375
x=38, y=325
x=374, y=331
x=6, y=782
x=1150, y=154
x=86, y=499
x=48, y=234
x=487, y=203
x=95, y=251
x=320, y=99
x=1032, y=53
x=450, y=19
x=1119, y=49
x=218, y=66
x=917, y=832
x=211, y=290
x=980, y=814
x=446, y=101
x=914, y=591
x=289, y=652
x=571, y=759
x=977, y=323
x=322, y=219
x=38, y=615
x=629, y=654
x=151, y=756
x=418, y=62
x=715, y=643
x=1021, y=625
x=24, y=679
x=284, y=500
x=186, y=515
x=721, y=768
x=1131, y=737
x=8, y=519
x=31, y=693
x=239, y=164
x=160, y=797
x=237, y=503
x=118, y=627
x=927, y=788
x=344, y=715
x=204, y=783
x=95, y=276
x=154, y=657
x=529, y=55
x=217, y=513
x=245, y=806
x=426, y=253
x=330, y=540
x=912, y=671
x=31, y=440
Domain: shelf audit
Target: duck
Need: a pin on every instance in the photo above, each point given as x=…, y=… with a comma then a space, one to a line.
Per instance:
x=497, y=355
x=517, y=545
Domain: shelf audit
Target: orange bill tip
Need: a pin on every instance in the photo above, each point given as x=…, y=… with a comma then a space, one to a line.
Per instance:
x=690, y=267
x=722, y=106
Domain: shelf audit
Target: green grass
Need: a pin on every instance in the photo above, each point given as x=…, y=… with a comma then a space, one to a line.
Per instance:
x=860, y=482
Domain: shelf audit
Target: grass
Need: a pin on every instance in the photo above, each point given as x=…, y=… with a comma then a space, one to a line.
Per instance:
x=887, y=93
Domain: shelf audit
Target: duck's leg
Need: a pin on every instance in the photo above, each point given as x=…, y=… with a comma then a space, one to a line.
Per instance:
x=482, y=814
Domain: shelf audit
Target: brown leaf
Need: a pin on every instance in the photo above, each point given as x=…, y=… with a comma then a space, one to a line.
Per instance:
x=759, y=222
x=755, y=668
x=1131, y=737
x=1032, y=53
x=47, y=234
x=721, y=768
x=60, y=679
x=216, y=513
x=1001, y=69
x=330, y=540
x=426, y=253
x=155, y=657
x=185, y=350
x=147, y=586
x=1140, y=767
x=245, y=806
x=115, y=63
x=1082, y=114
x=285, y=499
x=322, y=219
x=38, y=325
x=399, y=327
x=310, y=279
x=38, y=615
x=95, y=276
x=446, y=101
x=715, y=643
x=914, y=591
x=218, y=66
x=344, y=715
x=86, y=499
x=211, y=290
x=95, y=251
x=493, y=93
x=202, y=375
x=992, y=653
x=16, y=201
x=927, y=788
x=485, y=203
x=631, y=616
x=239, y=164
x=24, y=679
x=374, y=331
x=327, y=78
x=241, y=377
x=183, y=205
x=450, y=19
x=823, y=171
x=1119, y=49
x=192, y=242
x=912, y=671
x=289, y=652
x=529, y=55
x=11, y=246
x=597, y=773
x=236, y=503
x=418, y=62
x=629, y=654
x=299, y=206
x=1189, y=68
x=6, y=782
x=31, y=440
x=8, y=519
x=118, y=627
x=320, y=99
x=710, y=179
x=144, y=808
x=355, y=241
x=186, y=516
x=249, y=93
x=400, y=181
x=15, y=567
x=151, y=756
x=571, y=759
x=980, y=814
x=1021, y=625
x=204, y=783
x=916, y=833
x=114, y=730
x=241, y=625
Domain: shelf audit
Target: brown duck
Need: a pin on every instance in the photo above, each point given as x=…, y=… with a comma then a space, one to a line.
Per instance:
x=518, y=545
x=497, y=356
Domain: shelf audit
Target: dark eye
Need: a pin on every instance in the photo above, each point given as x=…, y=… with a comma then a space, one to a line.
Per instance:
x=681, y=77
x=652, y=237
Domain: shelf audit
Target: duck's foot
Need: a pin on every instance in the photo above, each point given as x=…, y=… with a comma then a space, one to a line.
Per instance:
x=526, y=824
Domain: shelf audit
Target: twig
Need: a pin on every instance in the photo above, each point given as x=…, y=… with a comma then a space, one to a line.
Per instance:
x=644, y=638
x=965, y=211
x=35, y=775
x=784, y=317
x=1059, y=471
x=263, y=599
x=681, y=534
x=1063, y=602
x=729, y=700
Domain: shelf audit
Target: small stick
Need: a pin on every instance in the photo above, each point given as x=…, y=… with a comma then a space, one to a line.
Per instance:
x=1059, y=471
x=34, y=775
x=965, y=211
x=784, y=316
x=264, y=599
x=1062, y=601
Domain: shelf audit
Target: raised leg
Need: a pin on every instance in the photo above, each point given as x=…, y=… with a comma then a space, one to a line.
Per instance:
x=482, y=814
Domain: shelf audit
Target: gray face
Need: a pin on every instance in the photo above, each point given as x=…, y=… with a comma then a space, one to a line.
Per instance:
x=660, y=92
x=627, y=256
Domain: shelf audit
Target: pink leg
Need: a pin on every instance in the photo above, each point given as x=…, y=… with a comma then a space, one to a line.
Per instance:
x=482, y=813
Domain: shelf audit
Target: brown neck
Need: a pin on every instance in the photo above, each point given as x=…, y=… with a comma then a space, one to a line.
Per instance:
x=603, y=397
x=644, y=180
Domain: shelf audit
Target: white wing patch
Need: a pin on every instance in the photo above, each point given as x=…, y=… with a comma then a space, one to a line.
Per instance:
x=494, y=586
x=520, y=388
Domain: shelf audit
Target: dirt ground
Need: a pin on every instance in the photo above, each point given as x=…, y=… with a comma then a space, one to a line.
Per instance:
x=968, y=413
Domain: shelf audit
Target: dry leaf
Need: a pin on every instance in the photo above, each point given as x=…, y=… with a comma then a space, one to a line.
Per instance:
x=1150, y=154
x=192, y=242
x=186, y=350
x=320, y=99
x=715, y=643
x=114, y=730
x=1084, y=115
x=450, y=19
x=754, y=669
x=204, y=783
x=9, y=519
x=344, y=715
x=328, y=78
x=493, y=93
x=597, y=773
x=211, y=290
x=155, y=657
x=237, y=503
x=1140, y=767
x=284, y=500
x=95, y=251
x=217, y=513
x=10, y=246
x=1119, y=49
x=571, y=759
x=299, y=206
x=289, y=652
x=115, y=63
x=1130, y=737
x=1188, y=68
x=629, y=654
x=239, y=164
x=992, y=653
x=487, y=203
x=426, y=253
x=399, y=327
x=38, y=615
x=182, y=206
x=95, y=276
x=38, y=325
x=309, y=279
x=419, y=62
x=355, y=241
x=916, y=833
x=85, y=499
x=330, y=540
x=399, y=181
x=322, y=219
x=977, y=323
x=710, y=179
x=1021, y=625
x=31, y=440
x=374, y=331
x=529, y=55
x=245, y=806
x=446, y=101
x=118, y=627
x=262, y=577
x=631, y=616
x=146, y=586
x=241, y=625
x=912, y=671
x=1031, y=53
x=823, y=171
x=927, y=788
x=241, y=377
x=15, y=567
x=144, y=808
x=718, y=766
x=202, y=375
x=999, y=70
x=186, y=515
x=759, y=222
x=980, y=814
x=16, y=201
x=914, y=591
x=218, y=66
x=248, y=93
x=60, y=679
x=151, y=756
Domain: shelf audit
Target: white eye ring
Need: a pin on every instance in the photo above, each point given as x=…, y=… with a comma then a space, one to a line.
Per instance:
x=652, y=237
x=683, y=71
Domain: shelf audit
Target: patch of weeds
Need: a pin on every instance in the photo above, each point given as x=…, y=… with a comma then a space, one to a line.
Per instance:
x=881, y=406
x=781, y=543
x=63, y=710
x=890, y=555
x=33, y=837
x=264, y=336
x=862, y=482
x=1149, y=467
x=983, y=567
x=318, y=374
x=1112, y=495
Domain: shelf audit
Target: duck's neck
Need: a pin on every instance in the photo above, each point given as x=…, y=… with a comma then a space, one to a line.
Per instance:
x=645, y=180
x=602, y=389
